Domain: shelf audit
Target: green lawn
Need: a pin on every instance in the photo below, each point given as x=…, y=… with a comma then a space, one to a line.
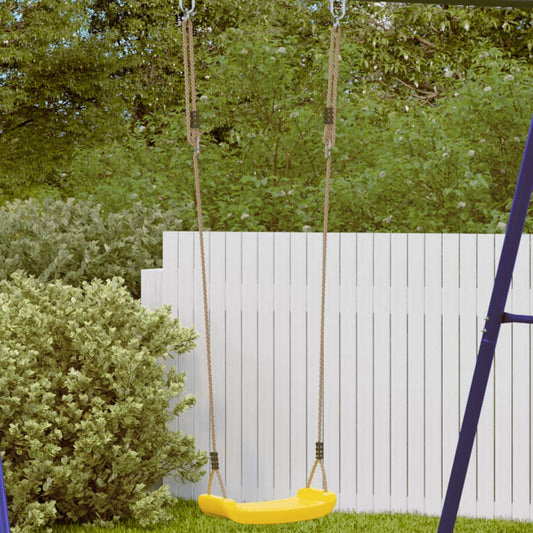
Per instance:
x=189, y=519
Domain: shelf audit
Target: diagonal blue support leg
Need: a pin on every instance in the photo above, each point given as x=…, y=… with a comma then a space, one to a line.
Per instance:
x=4, y=519
x=495, y=317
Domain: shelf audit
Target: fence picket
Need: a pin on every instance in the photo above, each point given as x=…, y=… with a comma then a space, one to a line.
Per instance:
x=433, y=378
x=451, y=415
x=399, y=374
x=415, y=372
x=233, y=348
x=365, y=374
x=382, y=374
x=348, y=350
x=299, y=448
x=282, y=368
x=249, y=458
x=519, y=304
x=503, y=416
x=265, y=366
x=467, y=351
x=485, y=432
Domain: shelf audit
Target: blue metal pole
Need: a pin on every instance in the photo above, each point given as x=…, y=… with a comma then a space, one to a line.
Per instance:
x=494, y=319
x=4, y=518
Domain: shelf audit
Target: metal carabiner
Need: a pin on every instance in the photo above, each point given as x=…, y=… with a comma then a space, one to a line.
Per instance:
x=334, y=14
x=188, y=13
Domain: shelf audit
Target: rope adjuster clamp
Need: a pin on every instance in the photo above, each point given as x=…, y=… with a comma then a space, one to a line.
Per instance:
x=214, y=460
x=319, y=451
x=188, y=13
x=336, y=16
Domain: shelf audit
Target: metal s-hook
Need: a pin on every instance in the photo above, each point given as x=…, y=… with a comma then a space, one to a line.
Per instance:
x=188, y=13
x=335, y=11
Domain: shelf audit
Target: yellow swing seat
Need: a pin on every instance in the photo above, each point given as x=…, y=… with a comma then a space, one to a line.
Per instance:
x=308, y=504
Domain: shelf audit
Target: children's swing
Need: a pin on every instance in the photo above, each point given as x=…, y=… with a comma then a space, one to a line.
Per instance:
x=309, y=502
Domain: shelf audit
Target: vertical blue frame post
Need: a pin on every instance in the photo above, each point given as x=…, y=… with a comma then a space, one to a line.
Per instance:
x=496, y=315
x=4, y=518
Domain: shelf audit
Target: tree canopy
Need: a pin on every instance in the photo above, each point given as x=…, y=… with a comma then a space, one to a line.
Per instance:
x=91, y=102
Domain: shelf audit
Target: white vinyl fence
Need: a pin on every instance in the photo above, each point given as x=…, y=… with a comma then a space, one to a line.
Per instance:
x=403, y=321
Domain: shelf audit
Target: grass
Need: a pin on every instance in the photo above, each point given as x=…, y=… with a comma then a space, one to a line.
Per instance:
x=187, y=518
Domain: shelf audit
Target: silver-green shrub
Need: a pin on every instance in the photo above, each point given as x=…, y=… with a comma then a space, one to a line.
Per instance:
x=86, y=401
x=77, y=241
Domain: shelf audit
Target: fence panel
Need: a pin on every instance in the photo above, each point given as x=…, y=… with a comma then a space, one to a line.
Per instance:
x=403, y=321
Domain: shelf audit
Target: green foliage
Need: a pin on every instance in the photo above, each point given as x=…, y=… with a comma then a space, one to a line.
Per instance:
x=82, y=78
x=78, y=75
x=450, y=167
x=262, y=69
x=426, y=51
x=58, y=89
x=76, y=241
x=86, y=403
x=399, y=165
x=132, y=171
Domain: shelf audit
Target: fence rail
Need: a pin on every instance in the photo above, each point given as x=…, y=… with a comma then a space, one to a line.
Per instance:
x=403, y=319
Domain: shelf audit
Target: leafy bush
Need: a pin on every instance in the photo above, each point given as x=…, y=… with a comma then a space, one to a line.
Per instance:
x=76, y=241
x=86, y=404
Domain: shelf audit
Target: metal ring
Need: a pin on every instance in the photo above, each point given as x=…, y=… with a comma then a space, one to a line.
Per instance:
x=337, y=17
x=188, y=13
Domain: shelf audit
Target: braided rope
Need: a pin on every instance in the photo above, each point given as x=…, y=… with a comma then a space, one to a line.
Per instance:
x=193, y=137
x=329, y=142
